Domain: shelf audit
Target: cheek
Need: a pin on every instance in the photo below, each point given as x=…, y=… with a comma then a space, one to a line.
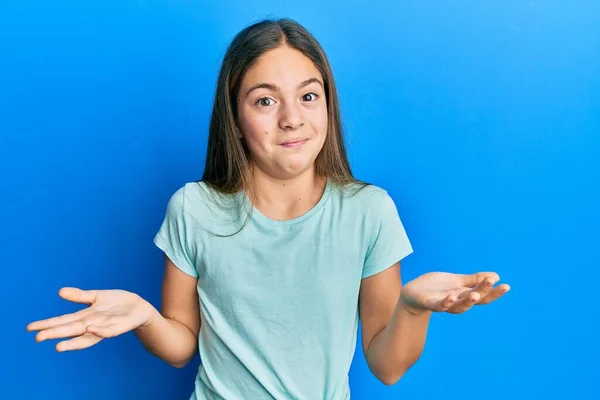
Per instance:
x=254, y=127
x=321, y=122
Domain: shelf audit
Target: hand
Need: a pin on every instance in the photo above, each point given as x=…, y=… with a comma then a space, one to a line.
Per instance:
x=452, y=293
x=110, y=313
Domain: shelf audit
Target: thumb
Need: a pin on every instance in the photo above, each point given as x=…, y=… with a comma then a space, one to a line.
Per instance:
x=77, y=295
x=102, y=331
x=472, y=280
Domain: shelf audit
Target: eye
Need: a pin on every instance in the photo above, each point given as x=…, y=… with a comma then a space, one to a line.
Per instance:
x=264, y=102
x=315, y=96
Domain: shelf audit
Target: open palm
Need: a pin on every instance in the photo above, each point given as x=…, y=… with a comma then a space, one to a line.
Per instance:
x=110, y=313
x=453, y=293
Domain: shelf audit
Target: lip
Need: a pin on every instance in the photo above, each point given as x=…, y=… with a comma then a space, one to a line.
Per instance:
x=296, y=142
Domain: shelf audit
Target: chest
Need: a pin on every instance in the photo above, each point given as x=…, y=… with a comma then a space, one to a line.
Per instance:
x=310, y=267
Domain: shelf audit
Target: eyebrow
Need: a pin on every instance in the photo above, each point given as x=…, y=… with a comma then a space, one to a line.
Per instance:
x=275, y=88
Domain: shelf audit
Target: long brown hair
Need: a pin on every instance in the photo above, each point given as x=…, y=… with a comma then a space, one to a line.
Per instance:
x=227, y=168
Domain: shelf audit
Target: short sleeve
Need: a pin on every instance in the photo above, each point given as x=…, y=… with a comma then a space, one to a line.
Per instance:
x=173, y=235
x=389, y=242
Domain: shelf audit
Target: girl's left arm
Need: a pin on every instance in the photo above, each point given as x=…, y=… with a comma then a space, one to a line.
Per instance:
x=393, y=335
x=395, y=317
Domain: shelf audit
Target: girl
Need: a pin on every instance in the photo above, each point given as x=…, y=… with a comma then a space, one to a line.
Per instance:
x=274, y=257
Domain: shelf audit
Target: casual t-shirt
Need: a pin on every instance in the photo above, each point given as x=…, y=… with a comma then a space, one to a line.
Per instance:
x=279, y=299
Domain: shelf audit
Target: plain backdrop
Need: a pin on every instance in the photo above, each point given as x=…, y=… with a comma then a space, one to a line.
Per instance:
x=481, y=119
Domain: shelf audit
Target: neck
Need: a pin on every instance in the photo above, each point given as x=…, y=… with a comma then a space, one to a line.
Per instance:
x=286, y=199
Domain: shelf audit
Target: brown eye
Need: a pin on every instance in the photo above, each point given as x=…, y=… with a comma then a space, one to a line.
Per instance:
x=264, y=102
x=306, y=97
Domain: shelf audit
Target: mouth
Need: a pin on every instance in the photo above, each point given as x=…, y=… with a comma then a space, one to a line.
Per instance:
x=294, y=142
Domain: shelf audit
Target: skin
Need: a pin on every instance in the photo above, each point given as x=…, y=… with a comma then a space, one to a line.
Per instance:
x=281, y=98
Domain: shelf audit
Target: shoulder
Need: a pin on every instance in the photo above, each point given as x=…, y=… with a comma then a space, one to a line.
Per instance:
x=201, y=205
x=361, y=195
x=369, y=203
x=184, y=197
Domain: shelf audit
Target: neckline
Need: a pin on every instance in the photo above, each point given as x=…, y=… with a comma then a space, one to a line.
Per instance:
x=260, y=217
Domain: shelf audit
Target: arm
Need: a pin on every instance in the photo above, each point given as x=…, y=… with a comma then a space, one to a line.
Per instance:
x=172, y=334
x=393, y=335
x=395, y=319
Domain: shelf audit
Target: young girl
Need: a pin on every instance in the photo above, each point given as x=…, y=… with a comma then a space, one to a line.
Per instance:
x=274, y=257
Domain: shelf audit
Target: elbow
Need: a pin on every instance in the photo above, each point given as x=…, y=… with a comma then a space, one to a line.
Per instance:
x=390, y=382
x=390, y=379
x=178, y=364
x=390, y=365
x=181, y=362
x=389, y=376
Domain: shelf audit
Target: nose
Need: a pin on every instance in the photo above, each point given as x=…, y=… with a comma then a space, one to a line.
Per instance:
x=291, y=117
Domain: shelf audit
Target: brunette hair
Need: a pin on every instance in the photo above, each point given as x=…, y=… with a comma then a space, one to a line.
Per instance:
x=227, y=168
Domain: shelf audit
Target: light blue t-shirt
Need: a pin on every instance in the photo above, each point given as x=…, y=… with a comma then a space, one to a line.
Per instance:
x=279, y=299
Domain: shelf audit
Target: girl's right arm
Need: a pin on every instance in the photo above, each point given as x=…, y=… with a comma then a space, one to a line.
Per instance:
x=171, y=334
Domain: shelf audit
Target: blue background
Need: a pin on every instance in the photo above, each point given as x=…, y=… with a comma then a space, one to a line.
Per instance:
x=482, y=119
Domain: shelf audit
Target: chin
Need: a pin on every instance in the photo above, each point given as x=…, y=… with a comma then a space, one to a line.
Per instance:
x=293, y=170
x=298, y=165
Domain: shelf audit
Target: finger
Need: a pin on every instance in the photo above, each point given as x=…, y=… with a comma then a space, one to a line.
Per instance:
x=81, y=342
x=495, y=293
x=75, y=328
x=485, y=286
x=107, y=331
x=463, y=293
x=447, y=302
x=464, y=304
x=77, y=295
x=56, y=321
x=434, y=304
x=472, y=280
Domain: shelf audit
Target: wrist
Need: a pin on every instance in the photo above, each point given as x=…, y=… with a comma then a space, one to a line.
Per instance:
x=411, y=309
x=150, y=312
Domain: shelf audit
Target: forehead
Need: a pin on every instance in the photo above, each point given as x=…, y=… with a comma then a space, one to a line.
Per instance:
x=284, y=66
